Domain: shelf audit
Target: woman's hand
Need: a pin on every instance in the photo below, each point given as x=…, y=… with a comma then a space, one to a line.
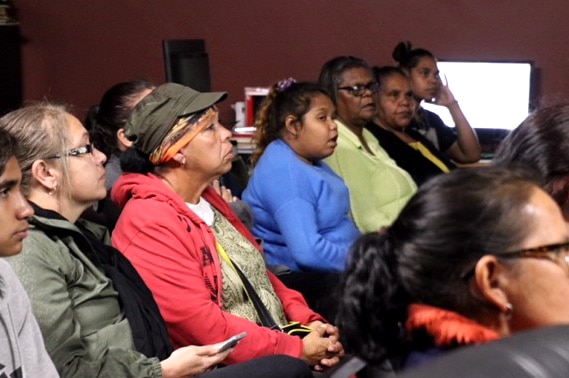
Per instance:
x=224, y=192
x=466, y=149
x=192, y=360
x=445, y=96
x=322, y=347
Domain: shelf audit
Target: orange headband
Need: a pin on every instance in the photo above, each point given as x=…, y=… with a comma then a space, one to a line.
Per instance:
x=179, y=136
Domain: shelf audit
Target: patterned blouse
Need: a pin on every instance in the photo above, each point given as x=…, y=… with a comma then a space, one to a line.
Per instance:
x=251, y=262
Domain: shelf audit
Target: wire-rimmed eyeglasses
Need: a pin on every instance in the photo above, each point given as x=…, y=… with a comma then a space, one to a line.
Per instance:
x=77, y=151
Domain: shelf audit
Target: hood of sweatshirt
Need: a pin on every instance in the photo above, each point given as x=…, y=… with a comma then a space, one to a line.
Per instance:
x=11, y=358
x=150, y=186
x=141, y=186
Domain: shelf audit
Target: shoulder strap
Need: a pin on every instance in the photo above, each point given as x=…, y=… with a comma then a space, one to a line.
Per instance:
x=265, y=316
x=149, y=330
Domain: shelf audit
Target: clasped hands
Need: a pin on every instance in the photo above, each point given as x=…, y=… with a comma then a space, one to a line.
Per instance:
x=322, y=347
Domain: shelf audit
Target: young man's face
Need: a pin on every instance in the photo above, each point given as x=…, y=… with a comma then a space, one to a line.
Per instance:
x=14, y=210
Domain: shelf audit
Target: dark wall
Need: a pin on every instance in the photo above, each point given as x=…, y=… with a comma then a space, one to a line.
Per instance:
x=76, y=50
x=10, y=69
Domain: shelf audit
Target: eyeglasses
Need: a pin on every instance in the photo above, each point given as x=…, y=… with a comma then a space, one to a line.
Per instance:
x=77, y=151
x=358, y=90
x=542, y=252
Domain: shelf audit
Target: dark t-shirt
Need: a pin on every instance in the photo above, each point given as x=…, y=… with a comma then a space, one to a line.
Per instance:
x=442, y=138
x=418, y=166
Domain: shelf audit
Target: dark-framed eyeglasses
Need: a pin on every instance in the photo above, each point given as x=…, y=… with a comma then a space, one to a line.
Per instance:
x=541, y=252
x=358, y=90
x=77, y=151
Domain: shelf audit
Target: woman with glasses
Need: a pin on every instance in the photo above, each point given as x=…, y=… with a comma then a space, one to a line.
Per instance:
x=476, y=255
x=391, y=126
x=105, y=123
x=81, y=304
x=378, y=187
x=460, y=145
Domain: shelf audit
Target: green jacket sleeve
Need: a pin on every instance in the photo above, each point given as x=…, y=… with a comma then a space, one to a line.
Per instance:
x=84, y=336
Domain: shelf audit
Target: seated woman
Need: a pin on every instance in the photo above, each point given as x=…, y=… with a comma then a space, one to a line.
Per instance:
x=84, y=316
x=22, y=351
x=105, y=123
x=378, y=187
x=541, y=142
x=187, y=244
x=476, y=255
x=461, y=144
x=301, y=207
x=395, y=110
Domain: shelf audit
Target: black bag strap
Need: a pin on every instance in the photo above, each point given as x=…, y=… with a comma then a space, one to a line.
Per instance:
x=265, y=316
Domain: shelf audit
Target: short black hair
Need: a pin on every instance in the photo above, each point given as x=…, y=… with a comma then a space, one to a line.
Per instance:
x=541, y=142
x=104, y=120
x=408, y=57
x=8, y=148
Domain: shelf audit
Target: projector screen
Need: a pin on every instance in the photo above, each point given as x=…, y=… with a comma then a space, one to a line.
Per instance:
x=492, y=95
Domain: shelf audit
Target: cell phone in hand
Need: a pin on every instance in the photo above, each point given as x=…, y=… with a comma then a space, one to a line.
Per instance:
x=231, y=342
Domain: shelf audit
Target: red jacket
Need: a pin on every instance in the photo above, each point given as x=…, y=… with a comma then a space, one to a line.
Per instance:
x=171, y=248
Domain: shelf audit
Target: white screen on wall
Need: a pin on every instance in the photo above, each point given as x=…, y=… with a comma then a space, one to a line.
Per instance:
x=491, y=94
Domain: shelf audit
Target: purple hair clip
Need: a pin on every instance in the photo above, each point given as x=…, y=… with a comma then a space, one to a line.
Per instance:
x=285, y=84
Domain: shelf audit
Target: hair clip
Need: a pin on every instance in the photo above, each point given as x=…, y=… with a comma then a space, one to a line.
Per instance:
x=285, y=84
